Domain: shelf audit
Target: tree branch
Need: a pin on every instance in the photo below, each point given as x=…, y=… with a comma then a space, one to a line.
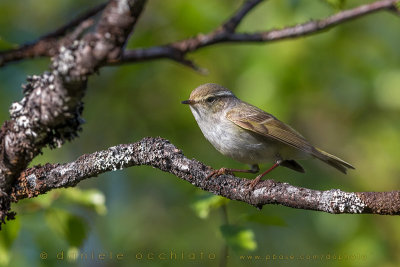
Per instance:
x=232, y=23
x=161, y=154
x=49, y=113
x=48, y=44
x=177, y=51
x=226, y=33
x=63, y=30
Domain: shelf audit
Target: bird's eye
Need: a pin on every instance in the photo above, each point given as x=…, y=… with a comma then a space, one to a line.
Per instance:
x=210, y=99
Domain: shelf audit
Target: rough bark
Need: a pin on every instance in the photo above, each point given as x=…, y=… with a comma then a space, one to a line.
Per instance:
x=161, y=154
x=226, y=33
x=50, y=112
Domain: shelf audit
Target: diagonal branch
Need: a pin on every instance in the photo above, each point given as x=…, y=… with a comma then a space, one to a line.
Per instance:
x=232, y=23
x=61, y=31
x=161, y=154
x=177, y=51
x=226, y=33
x=49, y=113
x=48, y=44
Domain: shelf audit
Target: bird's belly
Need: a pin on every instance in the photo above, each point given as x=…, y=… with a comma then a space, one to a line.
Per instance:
x=242, y=145
x=250, y=150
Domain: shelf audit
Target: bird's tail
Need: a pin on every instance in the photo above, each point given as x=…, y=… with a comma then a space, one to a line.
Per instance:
x=332, y=160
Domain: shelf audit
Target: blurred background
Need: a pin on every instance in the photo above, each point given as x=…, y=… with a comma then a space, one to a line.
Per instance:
x=339, y=88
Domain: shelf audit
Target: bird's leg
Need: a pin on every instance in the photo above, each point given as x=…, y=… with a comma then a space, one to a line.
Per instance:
x=254, y=182
x=215, y=173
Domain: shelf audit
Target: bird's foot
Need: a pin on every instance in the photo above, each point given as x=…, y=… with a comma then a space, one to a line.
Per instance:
x=216, y=173
x=254, y=182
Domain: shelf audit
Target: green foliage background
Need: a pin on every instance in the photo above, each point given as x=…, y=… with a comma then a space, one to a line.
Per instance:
x=339, y=88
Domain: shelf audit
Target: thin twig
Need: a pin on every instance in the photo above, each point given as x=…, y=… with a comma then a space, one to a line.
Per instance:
x=49, y=114
x=232, y=23
x=226, y=33
x=48, y=44
x=61, y=31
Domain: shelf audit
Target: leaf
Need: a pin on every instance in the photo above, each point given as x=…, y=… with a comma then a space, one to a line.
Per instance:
x=204, y=203
x=264, y=219
x=68, y=226
x=91, y=198
x=9, y=233
x=238, y=237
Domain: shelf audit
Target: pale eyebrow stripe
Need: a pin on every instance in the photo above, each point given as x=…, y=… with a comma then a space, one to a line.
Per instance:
x=224, y=93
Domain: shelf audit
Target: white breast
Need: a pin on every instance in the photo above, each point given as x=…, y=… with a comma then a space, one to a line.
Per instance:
x=234, y=141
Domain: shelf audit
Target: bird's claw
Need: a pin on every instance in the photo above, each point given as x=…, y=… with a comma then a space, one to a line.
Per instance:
x=253, y=183
x=216, y=173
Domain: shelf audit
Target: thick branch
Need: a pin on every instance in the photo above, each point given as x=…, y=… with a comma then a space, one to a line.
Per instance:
x=49, y=113
x=161, y=154
x=226, y=33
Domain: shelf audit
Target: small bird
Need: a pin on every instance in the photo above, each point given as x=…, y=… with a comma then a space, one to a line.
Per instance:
x=250, y=135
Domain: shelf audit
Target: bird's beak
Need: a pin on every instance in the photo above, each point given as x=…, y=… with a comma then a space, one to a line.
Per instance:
x=188, y=102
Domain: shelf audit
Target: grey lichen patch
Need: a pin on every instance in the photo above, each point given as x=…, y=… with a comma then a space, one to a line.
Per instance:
x=123, y=7
x=15, y=108
x=114, y=158
x=72, y=63
x=337, y=201
x=124, y=156
x=44, y=105
x=260, y=192
x=31, y=180
x=291, y=190
x=65, y=61
x=184, y=168
x=69, y=167
x=178, y=160
x=22, y=121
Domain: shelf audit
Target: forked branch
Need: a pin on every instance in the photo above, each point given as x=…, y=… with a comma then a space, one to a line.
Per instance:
x=226, y=33
x=49, y=113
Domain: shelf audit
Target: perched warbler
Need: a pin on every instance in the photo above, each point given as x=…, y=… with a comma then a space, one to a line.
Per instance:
x=250, y=135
